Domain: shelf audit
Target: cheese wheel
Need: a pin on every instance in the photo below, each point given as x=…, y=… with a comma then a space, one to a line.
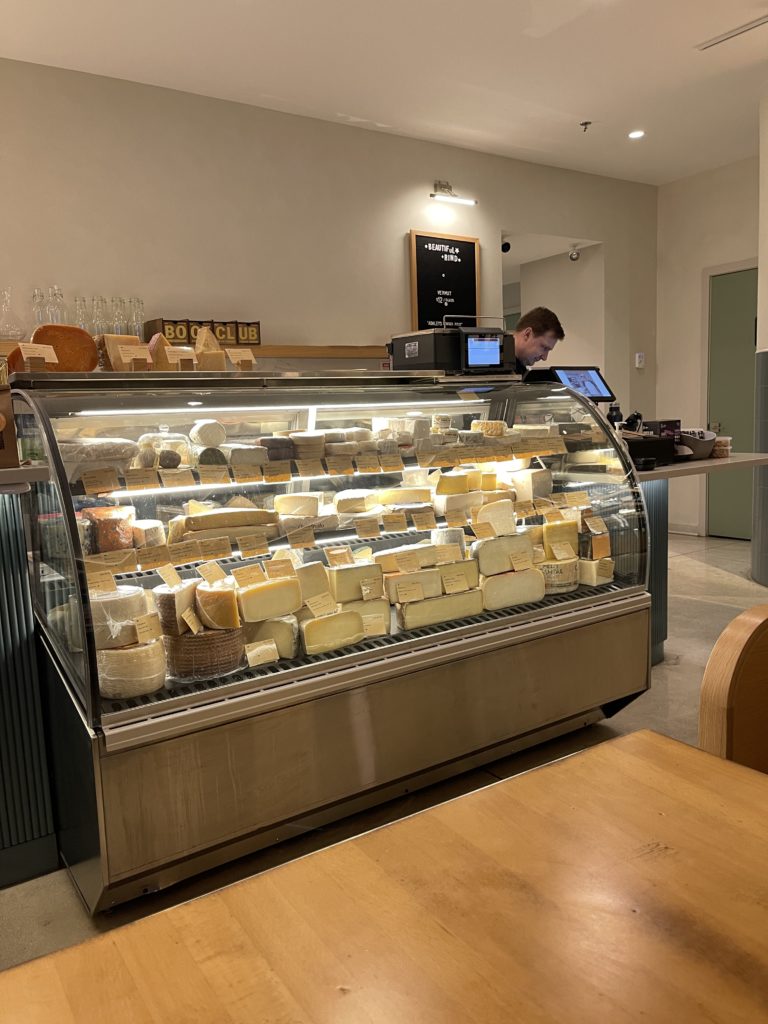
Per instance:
x=131, y=671
x=493, y=556
x=216, y=604
x=208, y=433
x=332, y=632
x=376, y=615
x=114, y=614
x=283, y=630
x=560, y=577
x=271, y=599
x=440, y=609
x=148, y=532
x=172, y=602
x=510, y=588
x=208, y=654
x=346, y=580
x=75, y=349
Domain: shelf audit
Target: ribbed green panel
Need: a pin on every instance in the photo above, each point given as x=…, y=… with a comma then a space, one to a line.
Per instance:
x=25, y=806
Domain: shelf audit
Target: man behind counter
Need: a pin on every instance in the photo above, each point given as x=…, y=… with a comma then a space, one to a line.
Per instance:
x=536, y=334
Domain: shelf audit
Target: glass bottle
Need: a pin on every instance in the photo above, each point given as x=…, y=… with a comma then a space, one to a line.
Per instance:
x=81, y=318
x=118, y=318
x=11, y=328
x=136, y=317
x=101, y=324
x=57, y=310
x=39, y=307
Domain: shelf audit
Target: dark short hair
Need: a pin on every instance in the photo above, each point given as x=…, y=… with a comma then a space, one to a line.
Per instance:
x=541, y=321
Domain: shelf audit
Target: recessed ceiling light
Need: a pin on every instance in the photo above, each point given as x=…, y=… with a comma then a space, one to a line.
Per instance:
x=638, y=133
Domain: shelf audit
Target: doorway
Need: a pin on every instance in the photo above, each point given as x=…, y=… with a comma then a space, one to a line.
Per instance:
x=732, y=326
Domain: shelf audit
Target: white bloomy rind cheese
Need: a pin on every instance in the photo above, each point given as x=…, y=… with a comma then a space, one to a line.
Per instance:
x=511, y=588
x=269, y=600
x=493, y=556
x=131, y=671
x=346, y=580
x=217, y=604
x=560, y=577
x=440, y=609
x=284, y=631
x=114, y=613
x=331, y=632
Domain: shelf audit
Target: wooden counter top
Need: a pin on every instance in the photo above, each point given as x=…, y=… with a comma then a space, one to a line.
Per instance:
x=625, y=883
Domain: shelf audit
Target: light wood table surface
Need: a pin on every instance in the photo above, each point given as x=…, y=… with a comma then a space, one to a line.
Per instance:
x=625, y=883
x=696, y=467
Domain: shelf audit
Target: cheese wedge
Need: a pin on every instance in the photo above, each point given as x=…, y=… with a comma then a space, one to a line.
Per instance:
x=452, y=483
x=403, y=495
x=332, y=632
x=148, y=531
x=216, y=604
x=501, y=515
x=346, y=580
x=172, y=602
x=561, y=532
x=445, y=503
x=359, y=500
x=425, y=553
x=510, y=588
x=269, y=600
x=439, y=609
x=284, y=631
x=429, y=580
x=595, y=572
x=468, y=567
x=376, y=615
x=313, y=580
x=304, y=503
x=493, y=556
x=230, y=517
x=530, y=483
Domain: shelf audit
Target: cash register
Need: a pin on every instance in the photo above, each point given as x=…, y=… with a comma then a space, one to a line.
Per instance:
x=456, y=348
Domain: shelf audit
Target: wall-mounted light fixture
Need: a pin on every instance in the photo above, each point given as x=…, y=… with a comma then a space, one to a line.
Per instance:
x=445, y=194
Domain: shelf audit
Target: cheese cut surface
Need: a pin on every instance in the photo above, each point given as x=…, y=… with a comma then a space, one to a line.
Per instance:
x=440, y=609
x=230, y=517
x=429, y=580
x=560, y=577
x=493, y=556
x=590, y=571
x=468, y=568
x=501, y=516
x=425, y=553
x=452, y=483
x=332, y=632
x=359, y=500
x=172, y=602
x=403, y=495
x=148, y=531
x=510, y=588
x=284, y=631
x=345, y=580
x=445, y=503
x=305, y=503
x=530, y=483
x=564, y=532
x=376, y=615
x=131, y=671
x=216, y=604
x=269, y=600
x=113, y=614
x=313, y=580
x=451, y=535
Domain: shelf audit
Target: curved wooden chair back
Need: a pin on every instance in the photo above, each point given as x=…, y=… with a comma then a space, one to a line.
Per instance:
x=733, y=711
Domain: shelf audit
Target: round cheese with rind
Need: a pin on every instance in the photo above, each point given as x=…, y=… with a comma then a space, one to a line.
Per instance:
x=560, y=577
x=131, y=671
x=114, y=615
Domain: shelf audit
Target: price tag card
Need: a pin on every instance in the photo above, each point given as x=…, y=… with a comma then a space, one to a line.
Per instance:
x=321, y=604
x=45, y=352
x=483, y=531
x=562, y=551
x=100, y=481
x=279, y=568
x=185, y=552
x=605, y=567
x=408, y=591
x=543, y=504
x=445, y=553
x=101, y=580
x=601, y=545
x=310, y=467
x=191, y=619
x=520, y=562
x=596, y=524
x=148, y=627
x=247, y=574
x=339, y=465
x=391, y=464
x=140, y=479
x=368, y=463
x=211, y=475
x=262, y=653
x=456, y=518
x=302, y=538
x=215, y=547
x=424, y=520
x=373, y=625
x=455, y=581
x=129, y=353
x=153, y=555
x=115, y=561
x=211, y=572
x=240, y=358
x=558, y=499
x=577, y=498
x=277, y=472
x=394, y=522
x=524, y=509
x=554, y=515
x=367, y=528
x=408, y=561
x=341, y=555
x=247, y=474
x=177, y=478
x=252, y=544
x=168, y=575
x=372, y=587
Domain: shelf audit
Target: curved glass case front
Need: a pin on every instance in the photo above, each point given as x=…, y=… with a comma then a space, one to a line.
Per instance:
x=200, y=536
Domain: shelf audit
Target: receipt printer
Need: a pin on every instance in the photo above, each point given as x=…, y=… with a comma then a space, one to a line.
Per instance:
x=455, y=349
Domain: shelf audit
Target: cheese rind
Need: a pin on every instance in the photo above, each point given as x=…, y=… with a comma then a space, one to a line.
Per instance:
x=229, y=517
x=345, y=580
x=493, y=555
x=445, y=503
x=283, y=630
x=114, y=613
x=510, y=588
x=560, y=577
x=216, y=604
x=403, y=495
x=440, y=609
x=131, y=671
x=269, y=600
x=172, y=602
x=429, y=580
x=331, y=632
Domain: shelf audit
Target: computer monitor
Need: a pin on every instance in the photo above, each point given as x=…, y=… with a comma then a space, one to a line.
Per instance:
x=587, y=380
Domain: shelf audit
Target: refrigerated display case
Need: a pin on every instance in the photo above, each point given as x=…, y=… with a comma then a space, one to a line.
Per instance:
x=266, y=601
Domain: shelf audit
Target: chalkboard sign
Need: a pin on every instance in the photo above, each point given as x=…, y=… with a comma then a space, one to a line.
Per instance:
x=445, y=278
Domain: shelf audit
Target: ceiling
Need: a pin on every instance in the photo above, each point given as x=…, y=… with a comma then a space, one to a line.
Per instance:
x=527, y=248
x=513, y=77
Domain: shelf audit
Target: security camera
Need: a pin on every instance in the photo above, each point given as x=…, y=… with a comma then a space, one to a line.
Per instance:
x=506, y=246
x=574, y=255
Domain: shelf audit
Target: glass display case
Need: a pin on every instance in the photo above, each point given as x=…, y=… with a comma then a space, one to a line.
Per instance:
x=210, y=550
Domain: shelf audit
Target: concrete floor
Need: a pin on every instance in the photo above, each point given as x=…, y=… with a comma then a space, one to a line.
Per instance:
x=708, y=585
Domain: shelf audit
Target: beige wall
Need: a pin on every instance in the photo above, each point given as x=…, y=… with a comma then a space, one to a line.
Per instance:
x=707, y=223
x=211, y=208
x=762, y=276
x=576, y=292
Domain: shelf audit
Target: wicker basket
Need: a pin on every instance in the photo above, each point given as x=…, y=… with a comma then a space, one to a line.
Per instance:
x=205, y=655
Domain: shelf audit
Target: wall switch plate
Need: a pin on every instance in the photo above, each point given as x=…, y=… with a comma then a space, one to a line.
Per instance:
x=639, y=360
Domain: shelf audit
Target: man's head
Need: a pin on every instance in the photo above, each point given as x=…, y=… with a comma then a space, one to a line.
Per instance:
x=536, y=334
